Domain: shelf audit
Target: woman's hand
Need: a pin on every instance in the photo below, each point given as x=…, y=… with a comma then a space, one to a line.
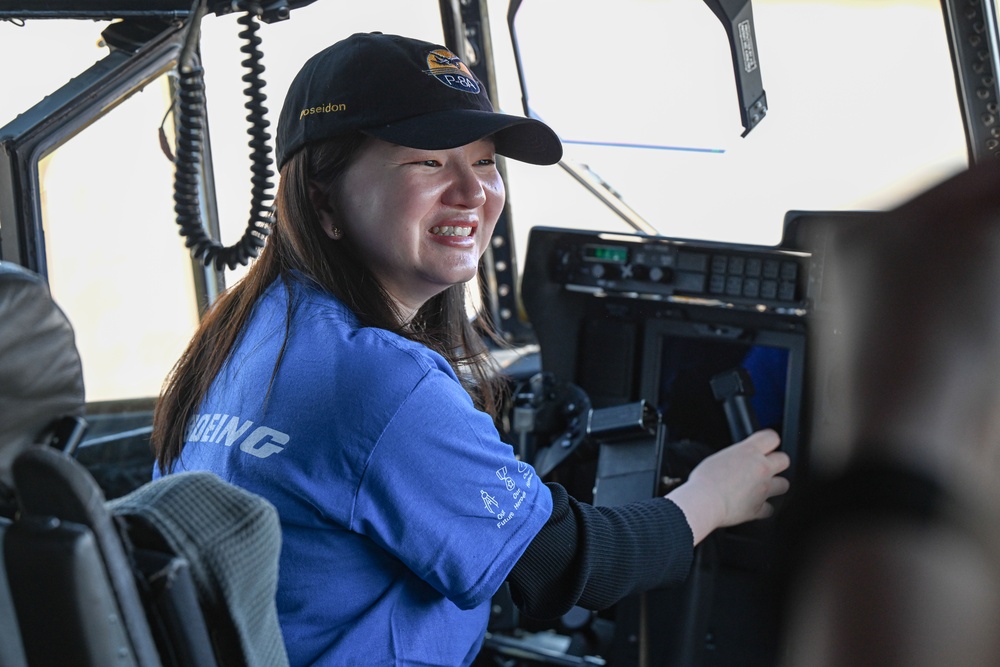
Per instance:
x=733, y=485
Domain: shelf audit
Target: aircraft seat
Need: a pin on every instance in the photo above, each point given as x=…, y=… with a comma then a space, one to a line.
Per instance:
x=41, y=377
x=41, y=381
x=11, y=647
x=181, y=571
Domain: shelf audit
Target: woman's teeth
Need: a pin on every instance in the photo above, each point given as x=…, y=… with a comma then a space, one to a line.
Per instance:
x=448, y=230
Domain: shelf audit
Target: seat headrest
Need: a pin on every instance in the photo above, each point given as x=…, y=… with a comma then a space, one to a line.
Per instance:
x=41, y=378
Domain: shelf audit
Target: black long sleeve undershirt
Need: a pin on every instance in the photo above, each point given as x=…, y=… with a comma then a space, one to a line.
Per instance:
x=593, y=557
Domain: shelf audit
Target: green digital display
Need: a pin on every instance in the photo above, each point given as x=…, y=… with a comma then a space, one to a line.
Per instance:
x=615, y=254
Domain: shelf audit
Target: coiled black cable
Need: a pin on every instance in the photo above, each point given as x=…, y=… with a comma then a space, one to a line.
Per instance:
x=261, y=200
x=190, y=146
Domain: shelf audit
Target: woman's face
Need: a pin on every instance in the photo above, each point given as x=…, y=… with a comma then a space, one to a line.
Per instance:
x=421, y=219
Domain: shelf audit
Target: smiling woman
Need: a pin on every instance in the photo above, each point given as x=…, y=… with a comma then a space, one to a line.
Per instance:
x=349, y=339
x=356, y=307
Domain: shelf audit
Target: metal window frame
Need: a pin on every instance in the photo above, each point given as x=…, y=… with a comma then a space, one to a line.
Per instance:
x=143, y=49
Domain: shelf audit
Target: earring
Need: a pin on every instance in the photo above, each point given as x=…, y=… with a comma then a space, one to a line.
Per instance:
x=336, y=233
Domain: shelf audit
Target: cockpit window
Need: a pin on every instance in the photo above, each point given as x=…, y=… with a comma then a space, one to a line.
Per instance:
x=862, y=112
x=113, y=251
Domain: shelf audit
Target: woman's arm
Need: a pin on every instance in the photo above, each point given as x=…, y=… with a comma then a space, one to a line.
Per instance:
x=594, y=556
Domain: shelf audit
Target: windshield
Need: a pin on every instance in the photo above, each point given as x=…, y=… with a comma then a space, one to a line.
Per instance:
x=862, y=112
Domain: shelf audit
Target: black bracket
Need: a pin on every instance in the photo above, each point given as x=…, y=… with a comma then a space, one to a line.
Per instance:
x=972, y=30
x=737, y=19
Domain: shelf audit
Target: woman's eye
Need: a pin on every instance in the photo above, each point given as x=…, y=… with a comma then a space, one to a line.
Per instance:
x=430, y=163
x=487, y=161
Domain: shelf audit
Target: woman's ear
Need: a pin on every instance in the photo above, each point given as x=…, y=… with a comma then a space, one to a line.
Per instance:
x=324, y=210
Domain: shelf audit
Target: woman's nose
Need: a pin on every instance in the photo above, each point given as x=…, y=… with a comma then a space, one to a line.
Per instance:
x=466, y=188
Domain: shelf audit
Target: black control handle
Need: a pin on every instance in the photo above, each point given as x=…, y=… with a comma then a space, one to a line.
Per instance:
x=734, y=388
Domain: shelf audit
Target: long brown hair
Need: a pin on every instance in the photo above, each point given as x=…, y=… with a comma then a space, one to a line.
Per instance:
x=298, y=243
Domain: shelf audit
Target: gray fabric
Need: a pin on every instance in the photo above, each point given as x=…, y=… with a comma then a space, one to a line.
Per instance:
x=41, y=378
x=232, y=539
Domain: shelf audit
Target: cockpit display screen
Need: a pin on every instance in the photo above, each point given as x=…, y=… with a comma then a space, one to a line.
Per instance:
x=593, y=252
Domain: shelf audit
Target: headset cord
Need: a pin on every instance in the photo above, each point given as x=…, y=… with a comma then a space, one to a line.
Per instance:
x=190, y=144
x=261, y=203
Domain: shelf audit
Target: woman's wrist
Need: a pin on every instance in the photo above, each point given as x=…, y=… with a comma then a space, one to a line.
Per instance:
x=701, y=507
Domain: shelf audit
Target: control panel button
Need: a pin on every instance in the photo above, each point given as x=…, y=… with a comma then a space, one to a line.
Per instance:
x=692, y=261
x=690, y=282
x=734, y=286
x=656, y=274
x=789, y=270
x=786, y=291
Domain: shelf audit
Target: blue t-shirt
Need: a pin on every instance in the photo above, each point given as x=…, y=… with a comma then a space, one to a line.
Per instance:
x=402, y=511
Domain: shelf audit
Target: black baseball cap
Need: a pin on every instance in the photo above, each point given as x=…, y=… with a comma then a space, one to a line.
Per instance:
x=405, y=91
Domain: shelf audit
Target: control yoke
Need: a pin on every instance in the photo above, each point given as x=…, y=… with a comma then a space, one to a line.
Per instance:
x=733, y=389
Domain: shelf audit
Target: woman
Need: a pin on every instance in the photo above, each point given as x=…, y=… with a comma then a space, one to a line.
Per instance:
x=342, y=381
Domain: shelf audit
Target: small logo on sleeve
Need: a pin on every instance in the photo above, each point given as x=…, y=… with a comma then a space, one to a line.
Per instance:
x=491, y=502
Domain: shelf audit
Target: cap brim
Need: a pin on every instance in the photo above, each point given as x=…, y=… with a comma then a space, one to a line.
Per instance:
x=516, y=137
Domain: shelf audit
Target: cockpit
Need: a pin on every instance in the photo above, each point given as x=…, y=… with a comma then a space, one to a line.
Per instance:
x=659, y=292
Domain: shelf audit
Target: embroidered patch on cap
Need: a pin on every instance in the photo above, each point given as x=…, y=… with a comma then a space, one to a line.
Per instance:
x=447, y=68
